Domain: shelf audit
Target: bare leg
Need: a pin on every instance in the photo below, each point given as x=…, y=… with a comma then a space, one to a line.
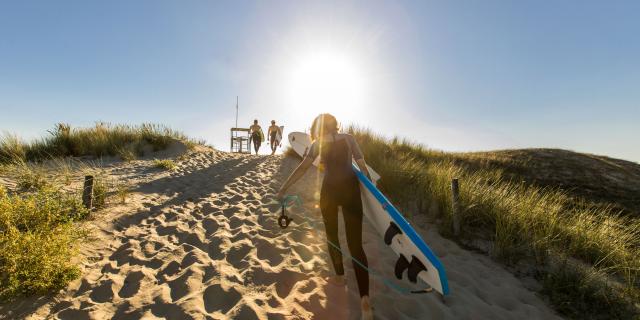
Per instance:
x=365, y=307
x=336, y=280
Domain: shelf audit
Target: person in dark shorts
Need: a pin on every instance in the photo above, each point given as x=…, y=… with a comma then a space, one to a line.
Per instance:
x=273, y=133
x=340, y=188
x=256, y=135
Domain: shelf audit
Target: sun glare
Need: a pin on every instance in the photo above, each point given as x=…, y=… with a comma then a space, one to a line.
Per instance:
x=327, y=82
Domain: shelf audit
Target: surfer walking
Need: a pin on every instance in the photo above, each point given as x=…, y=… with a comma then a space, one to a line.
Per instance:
x=340, y=188
x=275, y=135
x=256, y=135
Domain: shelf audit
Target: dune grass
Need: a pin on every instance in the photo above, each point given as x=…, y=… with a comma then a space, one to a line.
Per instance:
x=586, y=255
x=126, y=141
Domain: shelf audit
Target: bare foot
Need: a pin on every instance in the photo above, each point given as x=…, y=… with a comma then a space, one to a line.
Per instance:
x=338, y=281
x=365, y=306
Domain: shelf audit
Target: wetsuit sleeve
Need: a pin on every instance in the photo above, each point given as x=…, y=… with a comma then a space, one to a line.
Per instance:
x=313, y=151
x=355, y=148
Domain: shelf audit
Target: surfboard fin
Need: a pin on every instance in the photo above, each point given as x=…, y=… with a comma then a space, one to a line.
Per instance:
x=391, y=232
x=401, y=265
x=415, y=267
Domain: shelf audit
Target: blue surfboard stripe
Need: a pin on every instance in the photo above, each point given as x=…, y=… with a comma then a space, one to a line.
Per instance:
x=406, y=228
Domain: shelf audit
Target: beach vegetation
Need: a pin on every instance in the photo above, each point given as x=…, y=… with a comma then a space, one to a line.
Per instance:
x=166, y=164
x=40, y=213
x=38, y=240
x=585, y=252
x=100, y=140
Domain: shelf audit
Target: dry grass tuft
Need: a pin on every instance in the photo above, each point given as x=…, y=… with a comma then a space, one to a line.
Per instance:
x=165, y=164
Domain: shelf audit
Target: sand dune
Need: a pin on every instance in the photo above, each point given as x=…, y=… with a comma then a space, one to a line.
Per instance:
x=203, y=242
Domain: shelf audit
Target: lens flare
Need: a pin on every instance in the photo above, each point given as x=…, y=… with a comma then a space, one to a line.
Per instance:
x=327, y=82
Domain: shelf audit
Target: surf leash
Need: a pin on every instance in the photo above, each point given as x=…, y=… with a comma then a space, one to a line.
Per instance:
x=285, y=220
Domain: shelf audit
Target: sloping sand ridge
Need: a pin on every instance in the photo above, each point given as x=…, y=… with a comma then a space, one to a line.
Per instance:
x=202, y=242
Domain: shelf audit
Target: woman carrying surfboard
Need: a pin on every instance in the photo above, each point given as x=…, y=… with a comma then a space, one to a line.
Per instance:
x=340, y=188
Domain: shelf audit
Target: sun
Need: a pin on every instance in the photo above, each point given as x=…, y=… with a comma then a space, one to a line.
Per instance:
x=327, y=82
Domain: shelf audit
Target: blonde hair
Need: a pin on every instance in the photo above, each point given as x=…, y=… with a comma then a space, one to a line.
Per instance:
x=324, y=123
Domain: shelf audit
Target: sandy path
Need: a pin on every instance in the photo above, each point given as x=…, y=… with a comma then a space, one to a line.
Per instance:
x=203, y=243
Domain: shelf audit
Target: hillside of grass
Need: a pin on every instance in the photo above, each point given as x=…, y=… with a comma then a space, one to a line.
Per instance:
x=553, y=215
x=125, y=141
x=600, y=179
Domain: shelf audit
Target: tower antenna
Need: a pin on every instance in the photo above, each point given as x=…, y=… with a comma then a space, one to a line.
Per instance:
x=236, y=111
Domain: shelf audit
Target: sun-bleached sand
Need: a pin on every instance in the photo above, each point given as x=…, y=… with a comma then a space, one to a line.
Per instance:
x=202, y=242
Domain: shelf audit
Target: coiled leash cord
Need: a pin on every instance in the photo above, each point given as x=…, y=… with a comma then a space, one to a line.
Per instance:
x=284, y=221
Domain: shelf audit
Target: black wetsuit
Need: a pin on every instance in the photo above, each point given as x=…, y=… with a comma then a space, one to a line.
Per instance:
x=340, y=187
x=274, y=144
x=257, y=140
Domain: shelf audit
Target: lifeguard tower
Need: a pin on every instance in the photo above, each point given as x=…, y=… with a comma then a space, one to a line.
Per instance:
x=240, y=140
x=240, y=137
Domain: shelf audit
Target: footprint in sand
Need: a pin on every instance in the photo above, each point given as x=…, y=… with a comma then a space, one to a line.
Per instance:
x=131, y=284
x=218, y=299
x=188, y=282
x=104, y=292
x=73, y=314
x=169, y=270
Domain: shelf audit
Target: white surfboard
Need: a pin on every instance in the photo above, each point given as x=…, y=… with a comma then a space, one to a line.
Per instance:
x=279, y=136
x=415, y=258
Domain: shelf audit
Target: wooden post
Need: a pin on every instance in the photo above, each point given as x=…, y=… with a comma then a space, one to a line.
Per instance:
x=87, y=192
x=455, y=206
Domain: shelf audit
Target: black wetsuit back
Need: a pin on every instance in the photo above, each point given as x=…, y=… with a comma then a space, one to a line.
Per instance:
x=340, y=187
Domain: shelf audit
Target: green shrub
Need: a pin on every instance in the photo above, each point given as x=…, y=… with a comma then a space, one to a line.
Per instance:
x=38, y=241
x=165, y=164
x=36, y=262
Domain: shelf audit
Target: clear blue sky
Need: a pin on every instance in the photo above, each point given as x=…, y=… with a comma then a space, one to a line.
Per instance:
x=454, y=75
